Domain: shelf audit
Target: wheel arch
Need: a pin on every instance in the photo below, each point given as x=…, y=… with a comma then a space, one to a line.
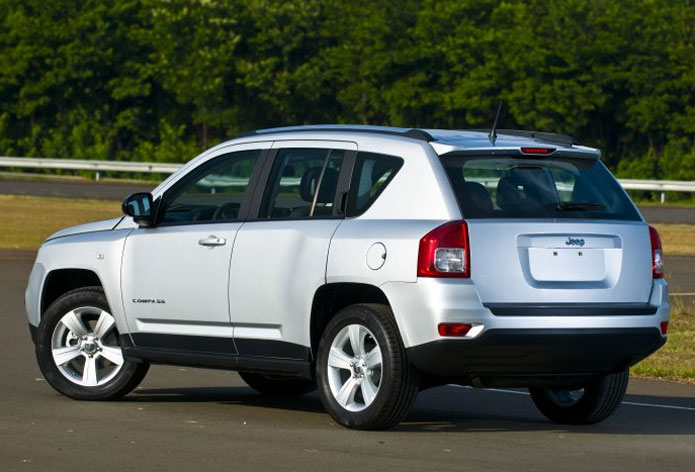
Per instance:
x=60, y=281
x=329, y=299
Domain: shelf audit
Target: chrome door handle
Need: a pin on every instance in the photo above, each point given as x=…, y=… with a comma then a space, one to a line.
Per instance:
x=212, y=241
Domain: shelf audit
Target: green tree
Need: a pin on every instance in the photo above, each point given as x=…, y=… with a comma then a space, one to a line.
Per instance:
x=165, y=79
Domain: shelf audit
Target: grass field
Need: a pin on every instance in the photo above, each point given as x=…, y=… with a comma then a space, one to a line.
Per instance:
x=678, y=240
x=676, y=360
x=27, y=221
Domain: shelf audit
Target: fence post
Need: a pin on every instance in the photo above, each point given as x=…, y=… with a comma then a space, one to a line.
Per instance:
x=663, y=197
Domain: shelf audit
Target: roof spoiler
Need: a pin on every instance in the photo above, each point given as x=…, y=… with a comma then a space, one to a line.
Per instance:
x=543, y=136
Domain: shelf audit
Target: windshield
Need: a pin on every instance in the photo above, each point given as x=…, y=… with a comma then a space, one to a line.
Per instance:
x=519, y=187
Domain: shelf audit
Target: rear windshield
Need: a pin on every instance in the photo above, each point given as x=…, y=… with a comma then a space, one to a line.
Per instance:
x=516, y=187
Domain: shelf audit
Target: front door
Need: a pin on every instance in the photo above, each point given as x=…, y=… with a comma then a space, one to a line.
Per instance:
x=175, y=276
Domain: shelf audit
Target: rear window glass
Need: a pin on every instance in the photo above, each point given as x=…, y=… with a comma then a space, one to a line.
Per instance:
x=512, y=187
x=371, y=174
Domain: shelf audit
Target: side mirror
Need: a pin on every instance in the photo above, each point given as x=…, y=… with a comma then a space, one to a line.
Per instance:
x=140, y=207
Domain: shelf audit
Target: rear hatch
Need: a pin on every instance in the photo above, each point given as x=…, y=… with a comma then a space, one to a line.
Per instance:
x=551, y=231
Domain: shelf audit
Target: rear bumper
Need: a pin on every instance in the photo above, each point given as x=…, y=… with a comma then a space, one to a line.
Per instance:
x=420, y=307
x=537, y=352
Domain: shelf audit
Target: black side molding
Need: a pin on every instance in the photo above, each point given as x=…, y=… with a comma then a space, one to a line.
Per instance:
x=571, y=309
x=200, y=344
x=272, y=349
x=224, y=346
x=261, y=365
x=249, y=355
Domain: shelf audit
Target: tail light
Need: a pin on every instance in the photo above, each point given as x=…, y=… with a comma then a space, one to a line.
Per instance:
x=454, y=329
x=657, y=254
x=537, y=150
x=664, y=327
x=444, y=252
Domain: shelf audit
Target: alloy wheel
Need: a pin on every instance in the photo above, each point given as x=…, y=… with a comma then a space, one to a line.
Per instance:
x=85, y=347
x=354, y=367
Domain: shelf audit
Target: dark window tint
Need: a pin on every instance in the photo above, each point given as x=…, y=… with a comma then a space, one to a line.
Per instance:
x=509, y=187
x=302, y=183
x=215, y=192
x=372, y=173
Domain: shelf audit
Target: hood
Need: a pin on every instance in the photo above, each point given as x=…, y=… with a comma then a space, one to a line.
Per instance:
x=104, y=225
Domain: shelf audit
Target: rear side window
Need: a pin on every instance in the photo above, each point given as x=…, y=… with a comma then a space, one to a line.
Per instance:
x=371, y=175
x=514, y=187
x=302, y=184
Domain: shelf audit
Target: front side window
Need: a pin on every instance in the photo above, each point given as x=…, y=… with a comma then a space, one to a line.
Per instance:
x=521, y=187
x=214, y=193
x=302, y=184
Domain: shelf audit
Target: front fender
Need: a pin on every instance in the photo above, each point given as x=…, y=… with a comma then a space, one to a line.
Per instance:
x=98, y=252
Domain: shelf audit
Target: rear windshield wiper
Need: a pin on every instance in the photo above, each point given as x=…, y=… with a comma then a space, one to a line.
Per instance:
x=579, y=206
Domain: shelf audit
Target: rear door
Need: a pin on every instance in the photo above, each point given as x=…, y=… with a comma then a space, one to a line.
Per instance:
x=551, y=231
x=279, y=258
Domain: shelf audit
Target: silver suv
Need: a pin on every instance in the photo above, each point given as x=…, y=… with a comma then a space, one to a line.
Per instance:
x=367, y=262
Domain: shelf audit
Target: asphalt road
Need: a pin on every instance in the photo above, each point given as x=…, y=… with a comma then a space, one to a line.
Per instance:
x=190, y=419
x=669, y=214
x=71, y=188
x=119, y=191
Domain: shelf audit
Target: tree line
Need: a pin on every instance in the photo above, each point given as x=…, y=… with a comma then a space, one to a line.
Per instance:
x=161, y=80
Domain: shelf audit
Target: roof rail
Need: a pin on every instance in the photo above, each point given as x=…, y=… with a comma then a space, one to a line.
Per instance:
x=416, y=133
x=413, y=133
x=556, y=138
x=245, y=134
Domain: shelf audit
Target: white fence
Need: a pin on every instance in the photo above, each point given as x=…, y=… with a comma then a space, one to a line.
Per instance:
x=661, y=186
x=98, y=167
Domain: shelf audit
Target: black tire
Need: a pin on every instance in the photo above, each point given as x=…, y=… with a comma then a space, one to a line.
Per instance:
x=398, y=385
x=277, y=385
x=600, y=398
x=130, y=374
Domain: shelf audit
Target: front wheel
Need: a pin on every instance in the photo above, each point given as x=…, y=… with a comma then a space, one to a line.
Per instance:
x=78, y=348
x=364, y=378
x=591, y=404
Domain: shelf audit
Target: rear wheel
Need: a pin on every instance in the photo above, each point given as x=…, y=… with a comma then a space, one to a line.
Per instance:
x=78, y=348
x=364, y=378
x=591, y=404
x=277, y=385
